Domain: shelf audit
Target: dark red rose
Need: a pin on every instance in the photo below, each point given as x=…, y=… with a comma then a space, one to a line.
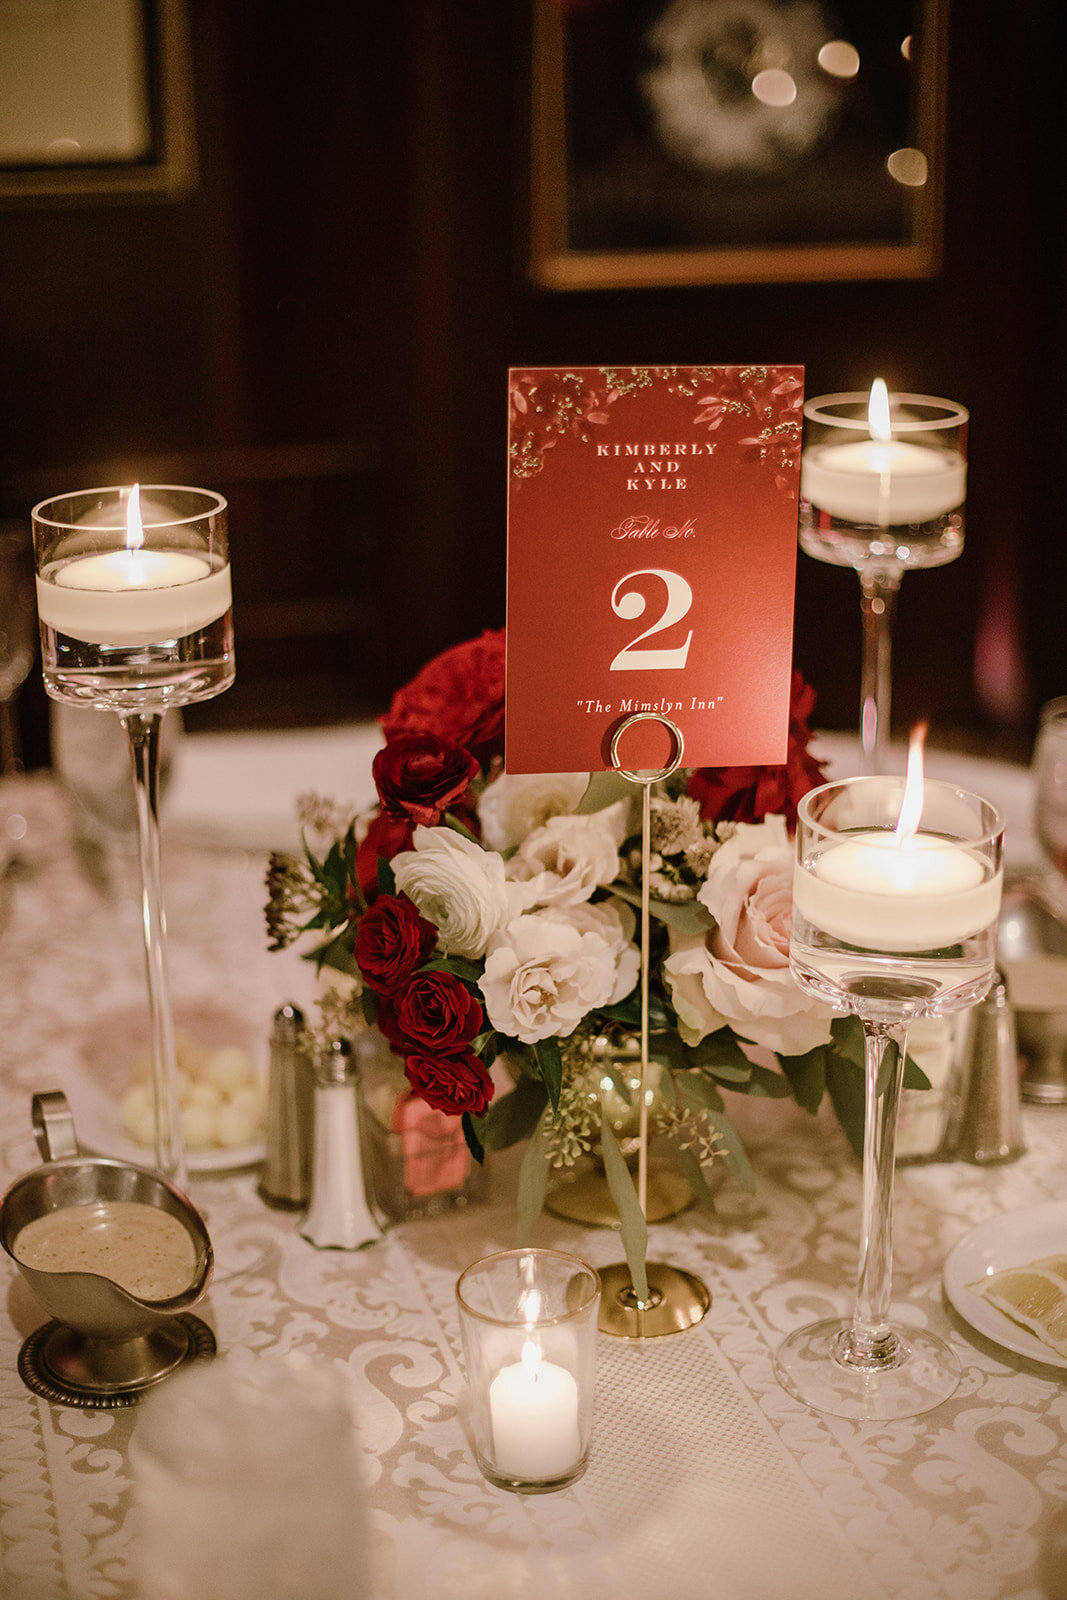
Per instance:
x=384, y=839
x=434, y=1012
x=419, y=776
x=748, y=794
x=460, y=695
x=453, y=1084
x=392, y=941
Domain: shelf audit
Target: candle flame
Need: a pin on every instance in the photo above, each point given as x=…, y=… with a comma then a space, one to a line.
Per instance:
x=531, y=1359
x=134, y=525
x=878, y=411
x=911, y=808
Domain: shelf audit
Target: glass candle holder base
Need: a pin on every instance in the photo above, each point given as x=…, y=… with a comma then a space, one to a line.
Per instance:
x=818, y=1365
x=530, y=1485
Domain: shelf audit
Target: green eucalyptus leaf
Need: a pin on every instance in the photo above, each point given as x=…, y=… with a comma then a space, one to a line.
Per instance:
x=807, y=1075
x=603, y=789
x=474, y=1144
x=914, y=1076
x=386, y=877
x=684, y=916
x=847, y=1033
x=693, y=1173
x=461, y=967
x=336, y=953
x=733, y=1150
x=453, y=822
x=844, y=1084
x=633, y=1226
x=533, y=1181
x=721, y=1050
x=764, y=1084
x=628, y=1012
x=514, y=1116
x=695, y=1092
x=550, y=1062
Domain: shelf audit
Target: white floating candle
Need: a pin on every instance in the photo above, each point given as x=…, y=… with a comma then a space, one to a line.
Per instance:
x=881, y=480
x=133, y=597
x=533, y=1407
x=882, y=892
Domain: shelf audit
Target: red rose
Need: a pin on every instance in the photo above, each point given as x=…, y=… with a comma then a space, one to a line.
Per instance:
x=384, y=839
x=435, y=1012
x=748, y=794
x=391, y=942
x=420, y=775
x=453, y=1084
x=459, y=694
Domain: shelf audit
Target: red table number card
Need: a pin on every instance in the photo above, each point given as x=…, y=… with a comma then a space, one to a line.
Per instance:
x=652, y=539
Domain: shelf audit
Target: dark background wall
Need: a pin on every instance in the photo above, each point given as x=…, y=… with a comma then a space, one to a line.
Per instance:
x=322, y=330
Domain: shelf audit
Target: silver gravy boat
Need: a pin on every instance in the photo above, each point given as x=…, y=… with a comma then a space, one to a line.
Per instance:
x=105, y=1345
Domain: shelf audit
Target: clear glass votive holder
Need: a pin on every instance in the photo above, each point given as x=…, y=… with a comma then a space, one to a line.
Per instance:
x=528, y=1319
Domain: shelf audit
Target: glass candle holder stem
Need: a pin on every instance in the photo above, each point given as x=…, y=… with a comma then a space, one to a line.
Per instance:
x=871, y=1343
x=143, y=730
x=879, y=588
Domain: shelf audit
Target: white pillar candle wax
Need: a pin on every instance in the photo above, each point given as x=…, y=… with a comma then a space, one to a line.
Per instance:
x=533, y=1406
x=133, y=597
x=881, y=891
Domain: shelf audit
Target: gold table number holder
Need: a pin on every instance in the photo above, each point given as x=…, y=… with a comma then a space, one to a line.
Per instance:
x=675, y=1299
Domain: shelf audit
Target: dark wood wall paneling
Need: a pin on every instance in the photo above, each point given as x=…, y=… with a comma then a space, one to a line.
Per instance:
x=322, y=330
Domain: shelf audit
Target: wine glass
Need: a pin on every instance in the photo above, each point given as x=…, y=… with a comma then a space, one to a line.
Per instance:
x=17, y=643
x=1050, y=794
x=134, y=603
x=895, y=915
x=883, y=479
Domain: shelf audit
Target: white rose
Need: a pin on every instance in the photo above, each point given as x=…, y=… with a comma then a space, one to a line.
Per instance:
x=738, y=973
x=615, y=922
x=512, y=807
x=459, y=887
x=564, y=860
x=543, y=975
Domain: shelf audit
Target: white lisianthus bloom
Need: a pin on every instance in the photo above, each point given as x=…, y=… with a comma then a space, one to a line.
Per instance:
x=513, y=806
x=738, y=972
x=459, y=887
x=543, y=975
x=615, y=922
x=567, y=858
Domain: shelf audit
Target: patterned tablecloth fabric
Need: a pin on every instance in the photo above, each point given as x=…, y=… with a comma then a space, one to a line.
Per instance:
x=706, y=1478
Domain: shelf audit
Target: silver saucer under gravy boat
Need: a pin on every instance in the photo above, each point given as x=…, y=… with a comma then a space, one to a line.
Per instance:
x=106, y=1345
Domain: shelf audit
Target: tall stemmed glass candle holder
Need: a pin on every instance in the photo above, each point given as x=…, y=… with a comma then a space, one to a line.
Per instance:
x=133, y=597
x=883, y=479
x=895, y=903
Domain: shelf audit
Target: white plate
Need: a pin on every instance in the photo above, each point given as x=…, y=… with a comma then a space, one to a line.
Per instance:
x=1012, y=1240
x=95, y=1085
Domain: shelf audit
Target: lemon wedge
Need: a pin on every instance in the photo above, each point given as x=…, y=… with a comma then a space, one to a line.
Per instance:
x=1034, y=1296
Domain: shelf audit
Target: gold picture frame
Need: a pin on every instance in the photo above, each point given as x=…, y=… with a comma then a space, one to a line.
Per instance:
x=629, y=189
x=96, y=102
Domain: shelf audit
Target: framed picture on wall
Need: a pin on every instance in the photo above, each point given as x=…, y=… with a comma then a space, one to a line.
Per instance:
x=733, y=141
x=95, y=101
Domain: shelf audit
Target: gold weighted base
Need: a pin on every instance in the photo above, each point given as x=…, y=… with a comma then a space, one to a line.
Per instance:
x=676, y=1301
x=581, y=1194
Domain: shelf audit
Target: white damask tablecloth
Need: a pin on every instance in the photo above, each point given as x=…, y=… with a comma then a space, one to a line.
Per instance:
x=705, y=1478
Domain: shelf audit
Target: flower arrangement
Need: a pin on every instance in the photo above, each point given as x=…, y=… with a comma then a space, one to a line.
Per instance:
x=480, y=915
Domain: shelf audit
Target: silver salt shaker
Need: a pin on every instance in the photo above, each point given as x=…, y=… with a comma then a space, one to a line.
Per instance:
x=286, y=1178
x=990, y=1128
x=338, y=1217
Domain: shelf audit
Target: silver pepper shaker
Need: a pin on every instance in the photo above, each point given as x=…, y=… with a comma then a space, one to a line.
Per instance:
x=338, y=1217
x=990, y=1127
x=286, y=1178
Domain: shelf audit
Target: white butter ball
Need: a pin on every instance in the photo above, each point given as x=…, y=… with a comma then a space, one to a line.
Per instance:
x=228, y=1068
x=236, y=1125
x=199, y=1125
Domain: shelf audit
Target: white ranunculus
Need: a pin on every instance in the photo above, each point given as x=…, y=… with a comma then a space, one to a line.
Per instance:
x=459, y=887
x=543, y=975
x=513, y=806
x=567, y=858
x=738, y=972
x=615, y=922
